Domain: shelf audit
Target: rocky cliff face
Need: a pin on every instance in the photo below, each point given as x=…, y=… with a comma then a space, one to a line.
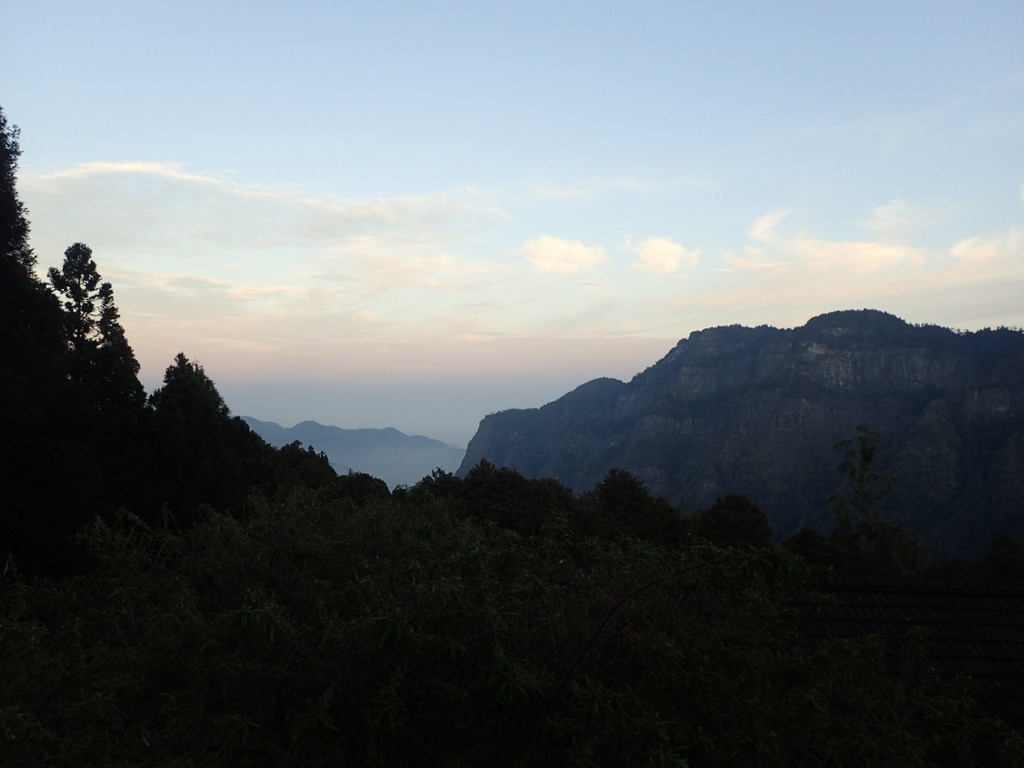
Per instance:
x=759, y=411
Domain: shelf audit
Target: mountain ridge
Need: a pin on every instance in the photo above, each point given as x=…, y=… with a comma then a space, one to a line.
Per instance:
x=386, y=453
x=760, y=410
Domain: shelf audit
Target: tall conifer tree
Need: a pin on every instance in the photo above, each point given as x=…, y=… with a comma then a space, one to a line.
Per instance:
x=100, y=355
x=13, y=224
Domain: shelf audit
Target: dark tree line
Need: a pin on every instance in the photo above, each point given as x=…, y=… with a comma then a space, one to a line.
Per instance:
x=618, y=507
x=81, y=438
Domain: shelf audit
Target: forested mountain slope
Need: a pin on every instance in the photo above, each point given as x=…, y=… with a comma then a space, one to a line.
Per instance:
x=759, y=411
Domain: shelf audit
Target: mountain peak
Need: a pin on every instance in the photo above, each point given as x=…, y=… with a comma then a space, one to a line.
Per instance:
x=862, y=322
x=759, y=411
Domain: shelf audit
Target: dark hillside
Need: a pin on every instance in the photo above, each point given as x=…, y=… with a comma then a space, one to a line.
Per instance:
x=758, y=411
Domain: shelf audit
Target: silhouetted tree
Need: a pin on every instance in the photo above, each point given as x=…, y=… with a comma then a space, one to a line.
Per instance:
x=440, y=483
x=191, y=396
x=50, y=472
x=862, y=542
x=304, y=467
x=732, y=521
x=202, y=455
x=88, y=304
x=30, y=319
x=360, y=487
x=101, y=357
x=865, y=488
x=13, y=224
x=499, y=494
x=505, y=497
x=622, y=505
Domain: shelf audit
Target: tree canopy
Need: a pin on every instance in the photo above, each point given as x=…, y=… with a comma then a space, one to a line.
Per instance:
x=13, y=222
x=401, y=632
x=732, y=521
x=100, y=355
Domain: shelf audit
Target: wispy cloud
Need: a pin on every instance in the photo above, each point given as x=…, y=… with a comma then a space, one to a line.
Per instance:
x=156, y=219
x=798, y=250
x=662, y=254
x=276, y=277
x=1007, y=248
x=222, y=262
x=980, y=109
x=890, y=130
x=764, y=228
x=897, y=220
x=156, y=206
x=562, y=257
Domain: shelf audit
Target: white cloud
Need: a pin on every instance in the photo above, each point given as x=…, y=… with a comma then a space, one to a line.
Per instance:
x=980, y=249
x=156, y=207
x=205, y=259
x=801, y=252
x=257, y=275
x=266, y=278
x=754, y=260
x=154, y=226
x=850, y=256
x=562, y=257
x=662, y=254
x=896, y=220
x=764, y=228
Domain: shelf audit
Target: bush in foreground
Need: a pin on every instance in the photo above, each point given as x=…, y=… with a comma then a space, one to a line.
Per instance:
x=393, y=632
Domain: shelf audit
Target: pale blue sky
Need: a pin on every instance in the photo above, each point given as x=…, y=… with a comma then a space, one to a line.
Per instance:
x=410, y=214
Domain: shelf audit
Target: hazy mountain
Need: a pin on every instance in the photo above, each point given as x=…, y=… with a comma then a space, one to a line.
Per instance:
x=759, y=411
x=394, y=457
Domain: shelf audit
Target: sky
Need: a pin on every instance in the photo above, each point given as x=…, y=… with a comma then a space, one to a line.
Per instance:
x=413, y=214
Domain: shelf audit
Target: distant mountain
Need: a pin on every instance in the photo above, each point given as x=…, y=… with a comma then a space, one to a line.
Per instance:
x=394, y=457
x=759, y=411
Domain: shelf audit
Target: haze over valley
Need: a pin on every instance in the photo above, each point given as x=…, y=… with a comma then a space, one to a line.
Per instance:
x=392, y=456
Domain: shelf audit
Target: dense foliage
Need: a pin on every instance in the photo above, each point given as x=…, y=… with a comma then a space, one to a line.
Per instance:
x=399, y=632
